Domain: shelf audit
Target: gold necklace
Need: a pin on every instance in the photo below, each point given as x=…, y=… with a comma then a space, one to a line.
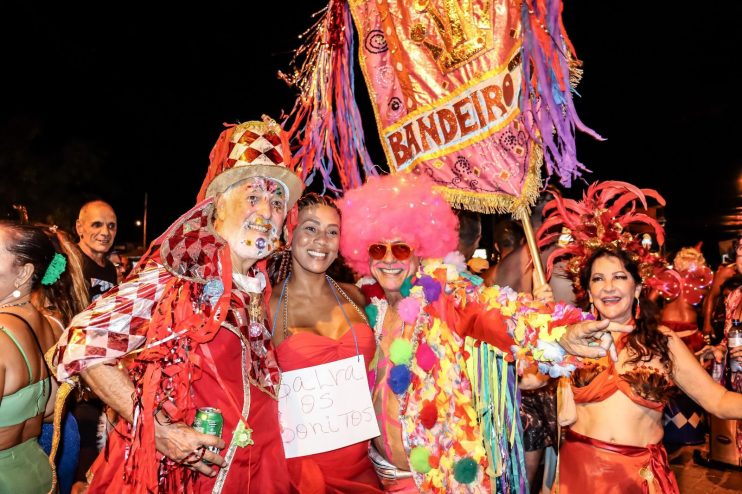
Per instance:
x=347, y=297
x=286, y=309
x=16, y=304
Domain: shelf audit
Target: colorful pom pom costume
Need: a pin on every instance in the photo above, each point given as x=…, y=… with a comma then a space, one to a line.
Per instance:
x=444, y=370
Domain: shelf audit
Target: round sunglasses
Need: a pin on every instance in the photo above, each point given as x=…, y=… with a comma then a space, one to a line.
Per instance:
x=400, y=251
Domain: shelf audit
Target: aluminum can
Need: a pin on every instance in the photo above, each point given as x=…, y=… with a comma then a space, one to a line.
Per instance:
x=209, y=420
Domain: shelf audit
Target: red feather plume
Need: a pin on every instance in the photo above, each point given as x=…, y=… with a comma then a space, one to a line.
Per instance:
x=597, y=221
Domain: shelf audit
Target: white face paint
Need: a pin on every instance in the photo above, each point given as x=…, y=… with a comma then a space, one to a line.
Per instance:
x=249, y=216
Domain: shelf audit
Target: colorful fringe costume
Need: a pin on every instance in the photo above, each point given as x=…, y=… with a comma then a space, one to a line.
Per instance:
x=161, y=323
x=456, y=385
x=445, y=394
x=191, y=334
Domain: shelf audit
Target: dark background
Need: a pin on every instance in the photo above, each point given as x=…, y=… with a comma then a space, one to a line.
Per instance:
x=115, y=100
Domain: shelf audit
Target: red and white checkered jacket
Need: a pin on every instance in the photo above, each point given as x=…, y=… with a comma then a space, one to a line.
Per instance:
x=114, y=325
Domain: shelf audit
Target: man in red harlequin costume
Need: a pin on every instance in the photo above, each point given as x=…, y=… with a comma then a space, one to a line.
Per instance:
x=188, y=330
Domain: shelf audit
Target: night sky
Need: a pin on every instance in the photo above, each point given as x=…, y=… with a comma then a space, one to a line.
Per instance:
x=115, y=103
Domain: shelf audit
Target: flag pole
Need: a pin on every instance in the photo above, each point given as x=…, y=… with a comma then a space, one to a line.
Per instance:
x=144, y=225
x=533, y=248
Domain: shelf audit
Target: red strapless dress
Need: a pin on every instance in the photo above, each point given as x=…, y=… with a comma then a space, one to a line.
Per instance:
x=342, y=470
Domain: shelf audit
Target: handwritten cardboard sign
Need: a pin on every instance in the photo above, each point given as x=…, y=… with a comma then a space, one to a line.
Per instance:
x=326, y=407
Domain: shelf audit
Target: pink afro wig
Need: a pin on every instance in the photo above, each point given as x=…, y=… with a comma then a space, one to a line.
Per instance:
x=396, y=207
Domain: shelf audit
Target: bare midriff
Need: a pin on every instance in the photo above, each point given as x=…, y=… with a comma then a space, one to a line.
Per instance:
x=13, y=435
x=679, y=311
x=619, y=420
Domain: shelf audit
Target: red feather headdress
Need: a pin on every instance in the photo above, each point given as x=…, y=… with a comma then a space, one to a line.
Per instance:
x=601, y=219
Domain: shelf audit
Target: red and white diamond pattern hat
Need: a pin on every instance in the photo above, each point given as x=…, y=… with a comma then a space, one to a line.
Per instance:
x=251, y=149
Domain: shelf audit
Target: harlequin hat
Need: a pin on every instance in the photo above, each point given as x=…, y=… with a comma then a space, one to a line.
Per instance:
x=251, y=149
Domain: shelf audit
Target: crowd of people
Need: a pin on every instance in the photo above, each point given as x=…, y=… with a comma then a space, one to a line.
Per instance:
x=260, y=278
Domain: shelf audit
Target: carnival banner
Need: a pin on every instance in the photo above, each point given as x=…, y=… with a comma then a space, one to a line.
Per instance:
x=444, y=78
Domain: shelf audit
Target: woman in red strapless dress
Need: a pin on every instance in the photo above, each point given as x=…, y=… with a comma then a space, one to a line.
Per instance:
x=317, y=321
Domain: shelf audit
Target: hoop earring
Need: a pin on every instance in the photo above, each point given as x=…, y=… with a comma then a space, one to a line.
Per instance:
x=638, y=310
x=593, y=310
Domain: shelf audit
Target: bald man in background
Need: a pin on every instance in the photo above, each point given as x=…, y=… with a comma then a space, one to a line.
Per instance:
x=96, y=226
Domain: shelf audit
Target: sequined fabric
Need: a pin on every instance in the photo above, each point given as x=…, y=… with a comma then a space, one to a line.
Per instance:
x=444, y=77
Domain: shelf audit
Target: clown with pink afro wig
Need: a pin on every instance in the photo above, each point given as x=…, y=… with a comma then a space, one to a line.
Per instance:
x=399, y=207
x=400, y=231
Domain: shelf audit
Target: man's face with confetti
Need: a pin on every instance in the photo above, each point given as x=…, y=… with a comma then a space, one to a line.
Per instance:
x=249, y=216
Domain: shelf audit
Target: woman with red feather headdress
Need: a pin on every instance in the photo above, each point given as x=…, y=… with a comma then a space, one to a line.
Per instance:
x=613, y=443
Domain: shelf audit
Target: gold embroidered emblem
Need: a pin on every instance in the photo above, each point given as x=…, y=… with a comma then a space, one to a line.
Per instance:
x=646, y=474
x=461, y=32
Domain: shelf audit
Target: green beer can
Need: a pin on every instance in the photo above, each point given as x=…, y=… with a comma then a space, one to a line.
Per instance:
x=209, y=420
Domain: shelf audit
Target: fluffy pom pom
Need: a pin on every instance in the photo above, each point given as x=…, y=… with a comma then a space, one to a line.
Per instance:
x=372, y=313
x=371, y=289
x=396, y=207
x=419, y=459
x=399, y=379
x=400, y=351
x=425, y=357
x=408, y=309
x=465, y=471
x=428, y=415
x=457, y=259
x=431, y=288
x=406, y=287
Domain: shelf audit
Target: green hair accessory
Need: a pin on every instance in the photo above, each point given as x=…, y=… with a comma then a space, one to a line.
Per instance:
x=55, y=269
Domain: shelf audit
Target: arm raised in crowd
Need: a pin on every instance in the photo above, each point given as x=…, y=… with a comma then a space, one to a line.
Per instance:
x=696, y=382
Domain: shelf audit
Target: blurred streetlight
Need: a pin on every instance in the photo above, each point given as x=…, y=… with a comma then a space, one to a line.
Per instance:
x=143, y=224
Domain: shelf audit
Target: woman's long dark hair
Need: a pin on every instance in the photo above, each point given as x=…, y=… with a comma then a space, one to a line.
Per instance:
x=279, y=263
x=37, y=245
x=646, y=341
